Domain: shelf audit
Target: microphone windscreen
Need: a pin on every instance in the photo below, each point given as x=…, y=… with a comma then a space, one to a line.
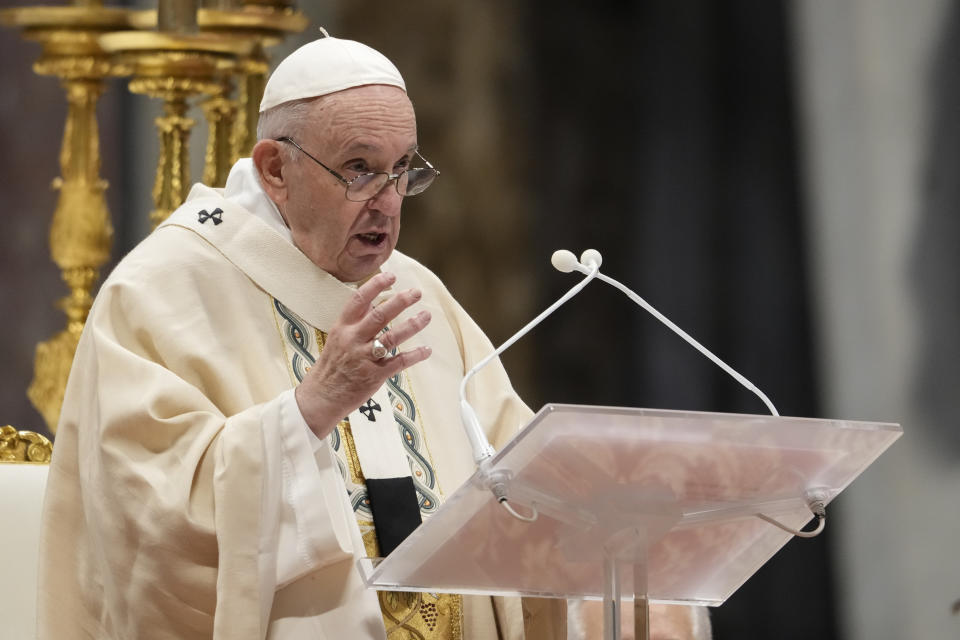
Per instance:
x=564, y=260
x=591, y=258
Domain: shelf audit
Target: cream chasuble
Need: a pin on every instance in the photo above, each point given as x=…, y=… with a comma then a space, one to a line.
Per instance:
x=185, y=497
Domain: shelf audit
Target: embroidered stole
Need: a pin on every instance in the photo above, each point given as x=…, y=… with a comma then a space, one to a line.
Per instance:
x=420, y=616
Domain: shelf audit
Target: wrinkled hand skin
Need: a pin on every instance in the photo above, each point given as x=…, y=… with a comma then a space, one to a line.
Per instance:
x=346, y=374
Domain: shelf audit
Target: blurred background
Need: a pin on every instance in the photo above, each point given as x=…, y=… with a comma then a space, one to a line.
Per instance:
x=777, y=177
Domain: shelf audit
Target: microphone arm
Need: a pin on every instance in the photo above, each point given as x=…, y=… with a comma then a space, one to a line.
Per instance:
x=589, y=265
x=478, y=439
x=589, y=258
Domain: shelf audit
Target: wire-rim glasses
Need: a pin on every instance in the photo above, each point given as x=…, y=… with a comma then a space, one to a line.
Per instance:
x=367, y=185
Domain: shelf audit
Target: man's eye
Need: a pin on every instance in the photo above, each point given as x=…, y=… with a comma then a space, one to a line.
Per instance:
x=359, y=167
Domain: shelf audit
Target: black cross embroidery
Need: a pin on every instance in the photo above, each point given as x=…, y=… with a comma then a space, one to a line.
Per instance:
x=216, y=216
x=368, y=408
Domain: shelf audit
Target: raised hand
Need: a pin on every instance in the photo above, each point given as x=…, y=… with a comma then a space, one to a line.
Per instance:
x=349, y=371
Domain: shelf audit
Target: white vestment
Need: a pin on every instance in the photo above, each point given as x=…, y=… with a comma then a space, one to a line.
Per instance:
x=186, y=498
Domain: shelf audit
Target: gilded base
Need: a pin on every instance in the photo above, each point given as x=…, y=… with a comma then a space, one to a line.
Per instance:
x=50, y=371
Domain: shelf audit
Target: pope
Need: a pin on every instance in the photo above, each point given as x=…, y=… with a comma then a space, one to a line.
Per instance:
x=266, y=391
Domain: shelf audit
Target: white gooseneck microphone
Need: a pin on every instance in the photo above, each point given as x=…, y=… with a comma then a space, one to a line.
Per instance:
x=589, y=265
x=478, y=439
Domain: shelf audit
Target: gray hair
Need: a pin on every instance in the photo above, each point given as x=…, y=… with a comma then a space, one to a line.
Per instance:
x=286, y=119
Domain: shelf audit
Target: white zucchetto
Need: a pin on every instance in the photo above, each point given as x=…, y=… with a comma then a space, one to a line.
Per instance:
x=328, y=65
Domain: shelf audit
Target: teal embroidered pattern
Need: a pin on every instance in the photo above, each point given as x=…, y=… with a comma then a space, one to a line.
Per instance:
x=424, y=478
x=300, y=338
x=302, y=351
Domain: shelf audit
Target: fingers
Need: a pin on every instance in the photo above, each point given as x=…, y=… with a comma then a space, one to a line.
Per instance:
x=381, y=315
x=360, y=303
x=405, y=330
x=361, y=323
x=348, y=371
x=404, y=360
x=368, y=320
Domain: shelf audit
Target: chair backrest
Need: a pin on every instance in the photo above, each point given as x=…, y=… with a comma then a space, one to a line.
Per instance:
x=24, y=461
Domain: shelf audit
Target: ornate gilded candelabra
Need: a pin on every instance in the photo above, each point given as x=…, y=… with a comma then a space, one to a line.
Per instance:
x=175, y=67
x=85, y=43
x=250, y=86
x=265, y=24
x=221, y=113
x=231, y=123
x=81, y=233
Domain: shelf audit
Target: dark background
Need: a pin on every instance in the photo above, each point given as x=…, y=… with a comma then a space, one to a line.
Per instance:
x=669, y=142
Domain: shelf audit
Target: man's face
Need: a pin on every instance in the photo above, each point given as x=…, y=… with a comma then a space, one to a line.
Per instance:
x=370, y=128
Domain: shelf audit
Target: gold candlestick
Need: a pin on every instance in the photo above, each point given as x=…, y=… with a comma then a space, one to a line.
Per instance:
x=250, y=85
x=266, y=25
x=263, y=25
x=220, y=112
x=81, y=233
x=175, y=68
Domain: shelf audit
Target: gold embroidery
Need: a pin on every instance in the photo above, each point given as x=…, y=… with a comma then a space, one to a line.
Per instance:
x=406, y=616
x=350, y=448
x=417, y=616
x=421, y=616
x=370, y=544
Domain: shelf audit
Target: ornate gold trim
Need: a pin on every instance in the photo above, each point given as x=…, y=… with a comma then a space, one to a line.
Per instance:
x=24, y=446
x=346, y=435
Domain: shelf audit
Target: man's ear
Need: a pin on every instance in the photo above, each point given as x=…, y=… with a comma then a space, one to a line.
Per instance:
x=269, y=162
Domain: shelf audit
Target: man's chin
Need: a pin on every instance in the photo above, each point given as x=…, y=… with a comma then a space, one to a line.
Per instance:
x=362, y=268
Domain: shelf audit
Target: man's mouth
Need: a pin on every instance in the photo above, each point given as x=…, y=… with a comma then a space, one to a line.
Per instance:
x=373, y=239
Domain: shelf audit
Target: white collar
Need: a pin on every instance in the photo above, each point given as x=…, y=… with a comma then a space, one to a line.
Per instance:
x=244, y=189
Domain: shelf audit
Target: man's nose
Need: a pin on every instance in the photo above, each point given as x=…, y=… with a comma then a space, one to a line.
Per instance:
x=388, y=200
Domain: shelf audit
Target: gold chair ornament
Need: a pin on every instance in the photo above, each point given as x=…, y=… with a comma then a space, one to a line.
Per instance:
x=24, y=446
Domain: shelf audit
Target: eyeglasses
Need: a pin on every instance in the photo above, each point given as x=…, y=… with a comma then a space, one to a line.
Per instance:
x=367, y=185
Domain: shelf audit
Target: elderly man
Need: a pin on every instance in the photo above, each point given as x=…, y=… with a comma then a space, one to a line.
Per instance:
x=266, y=391
x=244, y=418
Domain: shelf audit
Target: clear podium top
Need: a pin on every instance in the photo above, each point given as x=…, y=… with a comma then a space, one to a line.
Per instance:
x=670, y=496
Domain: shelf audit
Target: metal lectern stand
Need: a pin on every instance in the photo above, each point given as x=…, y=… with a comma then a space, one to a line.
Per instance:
x=657, y=506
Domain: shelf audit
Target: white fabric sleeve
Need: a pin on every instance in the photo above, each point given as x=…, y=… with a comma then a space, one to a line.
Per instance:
x=315, y=442
x=305, y=525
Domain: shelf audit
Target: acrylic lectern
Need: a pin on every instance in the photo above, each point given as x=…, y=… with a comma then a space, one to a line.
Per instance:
x=613, y=503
